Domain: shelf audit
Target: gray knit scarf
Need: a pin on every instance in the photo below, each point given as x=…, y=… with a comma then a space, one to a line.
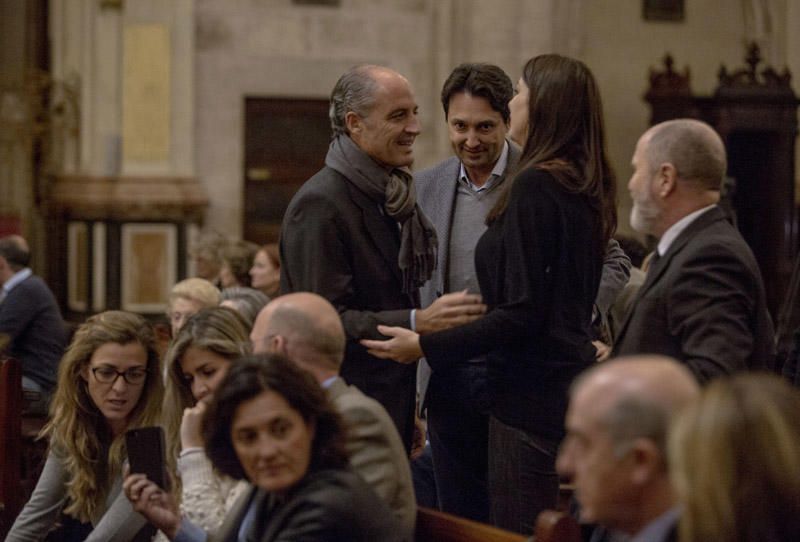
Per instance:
x=395, y=192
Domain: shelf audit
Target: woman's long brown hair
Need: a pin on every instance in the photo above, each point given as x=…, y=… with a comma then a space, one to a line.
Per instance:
x=566, y=134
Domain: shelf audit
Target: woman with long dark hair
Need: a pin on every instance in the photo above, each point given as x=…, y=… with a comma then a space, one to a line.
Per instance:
x=539, y=266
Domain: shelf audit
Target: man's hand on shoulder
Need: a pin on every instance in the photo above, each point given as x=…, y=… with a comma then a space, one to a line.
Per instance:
x=448, y=311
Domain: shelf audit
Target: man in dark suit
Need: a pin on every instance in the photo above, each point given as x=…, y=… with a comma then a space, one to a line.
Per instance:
x=615, y=449
x=703, y=300
x=457, y=194
x=30, y=318
x=354, y=234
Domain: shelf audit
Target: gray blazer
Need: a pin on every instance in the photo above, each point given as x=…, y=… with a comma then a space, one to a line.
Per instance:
x=376, y=452
x=436, y=194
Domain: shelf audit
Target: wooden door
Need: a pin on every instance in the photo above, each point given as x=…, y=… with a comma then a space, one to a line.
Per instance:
x=285, y=143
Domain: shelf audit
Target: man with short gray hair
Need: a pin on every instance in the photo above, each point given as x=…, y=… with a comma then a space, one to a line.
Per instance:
x=355, y=235
x=703, y=300
x=306, y=329
x=615, y=448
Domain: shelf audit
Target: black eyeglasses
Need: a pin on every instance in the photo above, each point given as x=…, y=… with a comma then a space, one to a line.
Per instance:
x=109, y=375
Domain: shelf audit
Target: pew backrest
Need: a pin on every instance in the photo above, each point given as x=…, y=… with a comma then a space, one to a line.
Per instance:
x=435, y=526
x=11, y=441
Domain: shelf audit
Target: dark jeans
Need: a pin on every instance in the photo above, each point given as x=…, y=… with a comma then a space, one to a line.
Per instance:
x=424, y=481
x=522, y=476
x=458, y=428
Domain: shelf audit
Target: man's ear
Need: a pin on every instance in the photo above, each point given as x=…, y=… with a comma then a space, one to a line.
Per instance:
x=667, y=180
x=353, y=123
x=278, y=345
x=648, y=461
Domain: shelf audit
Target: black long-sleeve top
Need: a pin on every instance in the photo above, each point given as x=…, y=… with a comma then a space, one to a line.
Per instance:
x=539, y=268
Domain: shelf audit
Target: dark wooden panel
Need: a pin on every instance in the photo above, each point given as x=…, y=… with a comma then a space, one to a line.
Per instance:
x=285, y=143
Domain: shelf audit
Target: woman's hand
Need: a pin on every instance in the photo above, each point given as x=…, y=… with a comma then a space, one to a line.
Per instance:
x=403, y=346
x=191, y=436
x=602, y=351
x=155, y=504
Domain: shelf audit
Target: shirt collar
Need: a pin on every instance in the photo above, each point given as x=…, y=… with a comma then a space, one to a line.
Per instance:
x=497, y=172
x=16, y=278
x=658, y=529
x=676, y=229
x=328, y=382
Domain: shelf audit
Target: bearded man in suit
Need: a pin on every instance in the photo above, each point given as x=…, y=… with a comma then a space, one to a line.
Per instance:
x=703, y=300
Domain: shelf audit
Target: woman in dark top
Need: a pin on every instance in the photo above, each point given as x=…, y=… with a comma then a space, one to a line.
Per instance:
x=270, y=423
x=539, y=266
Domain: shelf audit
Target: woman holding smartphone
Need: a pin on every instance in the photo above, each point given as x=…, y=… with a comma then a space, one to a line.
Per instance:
x=271, y=424
x=109, y=381
x=538, y=265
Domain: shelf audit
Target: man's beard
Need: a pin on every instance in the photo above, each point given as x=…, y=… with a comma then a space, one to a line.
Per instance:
x=644, y=214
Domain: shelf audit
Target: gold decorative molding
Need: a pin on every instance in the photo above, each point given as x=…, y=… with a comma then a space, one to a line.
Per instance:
x=125, y=199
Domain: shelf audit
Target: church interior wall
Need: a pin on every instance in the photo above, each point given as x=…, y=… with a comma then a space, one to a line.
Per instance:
x=620, y=48
x=221, y=52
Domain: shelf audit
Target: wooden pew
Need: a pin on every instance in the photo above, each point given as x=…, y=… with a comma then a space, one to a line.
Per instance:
x=556, y=526
x=11, y=439
x=435, y=526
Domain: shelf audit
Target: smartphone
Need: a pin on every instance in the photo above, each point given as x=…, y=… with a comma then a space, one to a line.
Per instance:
x=146, y=454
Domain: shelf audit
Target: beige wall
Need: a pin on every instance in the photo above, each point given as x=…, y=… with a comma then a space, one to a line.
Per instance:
x=222, y=51
x=272, y=48
x=620, y=47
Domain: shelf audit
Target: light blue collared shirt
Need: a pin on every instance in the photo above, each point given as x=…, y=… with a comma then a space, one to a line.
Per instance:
x=327, y=383
x=658, y=529
x=497, y=172
x=15, y=279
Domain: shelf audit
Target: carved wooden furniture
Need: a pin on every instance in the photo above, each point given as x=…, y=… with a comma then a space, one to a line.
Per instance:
x=755, y=112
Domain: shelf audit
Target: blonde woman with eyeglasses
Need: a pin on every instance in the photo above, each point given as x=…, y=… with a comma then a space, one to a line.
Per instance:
x=109, y=381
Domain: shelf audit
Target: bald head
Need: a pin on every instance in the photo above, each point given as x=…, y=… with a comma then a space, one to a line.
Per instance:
x=14, y=249
x=692, y=147
x=635, y=396
x=303, y=326
x=14, y=256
